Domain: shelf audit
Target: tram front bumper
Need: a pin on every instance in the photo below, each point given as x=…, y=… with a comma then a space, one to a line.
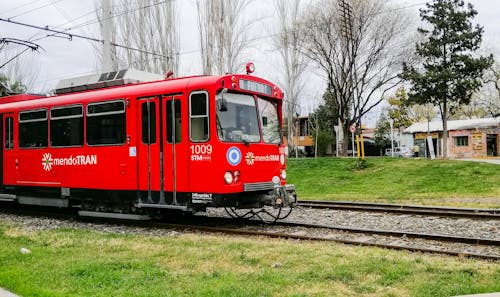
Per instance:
x=281, y=196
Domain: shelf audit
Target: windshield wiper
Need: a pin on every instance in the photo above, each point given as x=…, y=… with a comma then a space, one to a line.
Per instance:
x=219, y=128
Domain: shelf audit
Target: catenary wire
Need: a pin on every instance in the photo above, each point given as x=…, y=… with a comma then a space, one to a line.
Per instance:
x=36, y=8
x=192, y=51
x=20, y=6
x=71, y=35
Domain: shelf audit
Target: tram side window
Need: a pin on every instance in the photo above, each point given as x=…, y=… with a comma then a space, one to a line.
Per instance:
x=199, y=116
x=270, y=124
x=33, y=129
x=106, y=123
x=9, y=133
x=175, y=125
x=66, y=126
x=148, y=122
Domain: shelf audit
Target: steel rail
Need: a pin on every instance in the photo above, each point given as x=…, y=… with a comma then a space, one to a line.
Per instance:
x=477, y=213
x=281, y=235
x=201, y=224
x=427, y=236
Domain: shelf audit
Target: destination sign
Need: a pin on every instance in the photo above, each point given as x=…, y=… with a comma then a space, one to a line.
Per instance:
x=256, y=87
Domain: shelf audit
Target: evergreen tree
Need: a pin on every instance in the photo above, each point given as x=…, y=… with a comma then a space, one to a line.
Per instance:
x=450, y=73
x=383, y=133
x=326, y=115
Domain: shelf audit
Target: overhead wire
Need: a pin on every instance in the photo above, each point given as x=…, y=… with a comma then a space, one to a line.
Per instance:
x=90, y=22
x=17, y=7
x=303, y=29
x=36, y=8
x=117, y=14
x=96, y=20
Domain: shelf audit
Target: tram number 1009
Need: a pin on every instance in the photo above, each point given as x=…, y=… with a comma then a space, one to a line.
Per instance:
x=201, y=152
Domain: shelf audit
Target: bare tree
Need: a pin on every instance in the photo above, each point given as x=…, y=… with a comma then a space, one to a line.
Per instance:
x=222, y=34
x=315, y=127
x=287, y=43
x=23, y=69
x=360, y=53
x=148, y=25
x=489, y=97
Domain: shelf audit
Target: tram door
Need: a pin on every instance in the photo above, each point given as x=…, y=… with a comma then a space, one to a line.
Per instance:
x=6, y=141
x=174, y=170
x=1, y=150
x=148, y=150
x=160, y=168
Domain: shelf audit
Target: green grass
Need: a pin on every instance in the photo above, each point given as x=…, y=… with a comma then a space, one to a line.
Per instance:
x=67, y=262
x=397, y=181
x=75, y=262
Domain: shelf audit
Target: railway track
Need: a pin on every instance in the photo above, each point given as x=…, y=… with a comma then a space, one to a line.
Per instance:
x=285, y=235
x=480, y=248
x=478, y=213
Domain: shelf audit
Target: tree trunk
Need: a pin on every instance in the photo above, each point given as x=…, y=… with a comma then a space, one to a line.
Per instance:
x=444, y=118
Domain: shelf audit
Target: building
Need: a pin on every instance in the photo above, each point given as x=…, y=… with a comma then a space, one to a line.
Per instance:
x=302, y=139
x=475, y=138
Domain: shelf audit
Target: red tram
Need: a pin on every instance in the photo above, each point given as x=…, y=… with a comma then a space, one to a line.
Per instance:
x=111, y=148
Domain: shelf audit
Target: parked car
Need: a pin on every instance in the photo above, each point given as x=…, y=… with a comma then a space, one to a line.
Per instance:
x=399, y=152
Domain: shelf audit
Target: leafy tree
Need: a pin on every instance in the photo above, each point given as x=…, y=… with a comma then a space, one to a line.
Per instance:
x=8, y=87
x=323, y=141
x=450, y=74
x=327, y=113
x=400, y=109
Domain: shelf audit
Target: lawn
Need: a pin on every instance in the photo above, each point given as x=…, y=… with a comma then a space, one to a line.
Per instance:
x=84, y=262
x=393, y=180
x=79, y=262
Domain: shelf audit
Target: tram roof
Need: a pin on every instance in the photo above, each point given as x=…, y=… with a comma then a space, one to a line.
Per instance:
x=160, y=87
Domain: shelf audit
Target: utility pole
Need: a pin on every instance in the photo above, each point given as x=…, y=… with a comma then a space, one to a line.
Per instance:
x=347, y=34
x=107, y=65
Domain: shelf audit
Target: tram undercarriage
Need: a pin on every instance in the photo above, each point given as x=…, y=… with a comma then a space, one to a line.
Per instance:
x=146, y=205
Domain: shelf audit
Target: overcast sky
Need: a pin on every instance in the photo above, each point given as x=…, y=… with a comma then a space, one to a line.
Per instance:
x=61, y=58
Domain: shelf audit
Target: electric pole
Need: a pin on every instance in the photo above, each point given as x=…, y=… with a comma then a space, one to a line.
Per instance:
x=107, y=64
x=346, y=19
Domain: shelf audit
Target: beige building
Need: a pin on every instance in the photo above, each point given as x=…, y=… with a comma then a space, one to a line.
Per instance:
x=475, y=138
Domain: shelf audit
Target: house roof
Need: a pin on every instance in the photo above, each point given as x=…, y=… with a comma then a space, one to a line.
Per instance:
x=436, y=126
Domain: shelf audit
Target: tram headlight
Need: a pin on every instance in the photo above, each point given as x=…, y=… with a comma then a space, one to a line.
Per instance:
x=228, y=177
x=283, y=174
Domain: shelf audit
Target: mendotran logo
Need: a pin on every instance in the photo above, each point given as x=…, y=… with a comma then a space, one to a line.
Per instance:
x=81, y=160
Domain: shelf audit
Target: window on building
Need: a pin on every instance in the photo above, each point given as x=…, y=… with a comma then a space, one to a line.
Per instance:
x=198, y=114
x=461, y=140
x=33, y=129
x=106, y=123
x=304, y=127
x=148, y=122
x=9, y=133
x=66, y=126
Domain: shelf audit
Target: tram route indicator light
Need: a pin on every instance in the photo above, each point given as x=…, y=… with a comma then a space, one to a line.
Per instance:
x=250, y=67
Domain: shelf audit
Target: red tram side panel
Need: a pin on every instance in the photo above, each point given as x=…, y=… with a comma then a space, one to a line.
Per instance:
x=185, y=143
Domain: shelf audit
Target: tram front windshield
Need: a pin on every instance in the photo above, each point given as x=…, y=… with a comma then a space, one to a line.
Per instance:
x=239, y=118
